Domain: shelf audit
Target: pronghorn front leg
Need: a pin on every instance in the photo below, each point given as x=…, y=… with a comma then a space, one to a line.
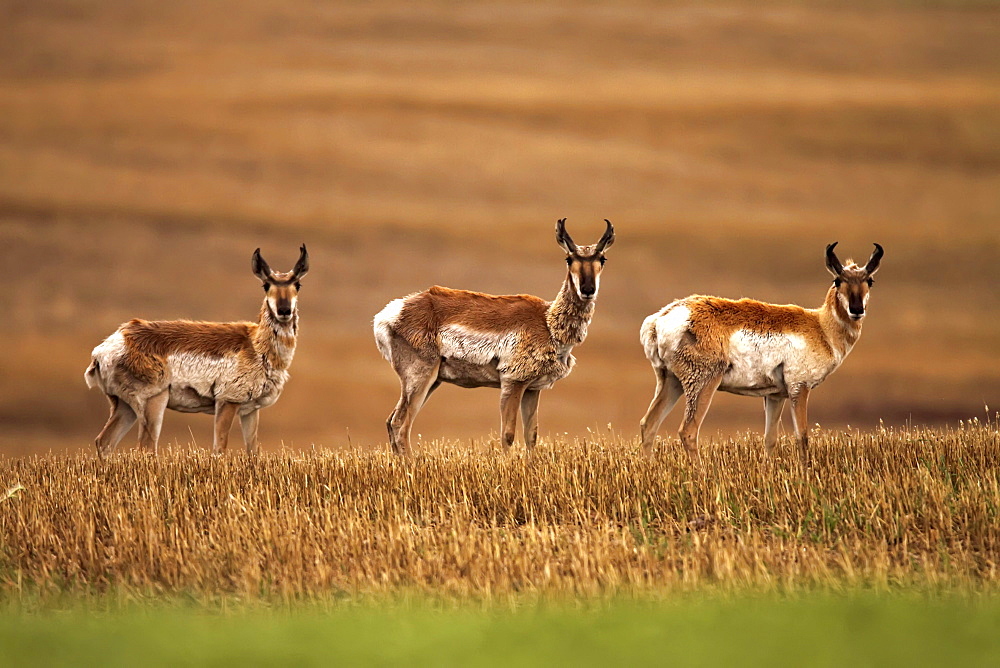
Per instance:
x=511, y=393
x=800, y=420
x=529, y=417
x=668, y=391
x=417, y=378
x=121, y=420
x=698, y=398
x=224, y=414
x=248, y=423
x=772, y=413
x=151, y=420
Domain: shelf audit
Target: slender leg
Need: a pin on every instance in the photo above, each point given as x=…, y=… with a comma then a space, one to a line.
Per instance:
x=248, y=424
x=772, y=413
x=418, y=375
x=668, y=391
x=510, y=398
x=434, y=386
x=120, y=421
x=529, y=417
x=151, y=420
x=800, y=420
x=698, y=400
x=225, y=412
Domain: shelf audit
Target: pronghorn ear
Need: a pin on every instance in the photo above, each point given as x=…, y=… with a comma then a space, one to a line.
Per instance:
x=833, y=265
x=563, y=238
x=259, y=267
x=302, y=266
x=608, y=239
x=874, y=261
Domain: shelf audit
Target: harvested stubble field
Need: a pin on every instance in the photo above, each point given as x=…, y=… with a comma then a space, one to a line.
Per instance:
x=884, y=510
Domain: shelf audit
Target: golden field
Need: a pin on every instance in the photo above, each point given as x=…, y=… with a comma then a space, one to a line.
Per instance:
x=883, y=511
x=146, y=150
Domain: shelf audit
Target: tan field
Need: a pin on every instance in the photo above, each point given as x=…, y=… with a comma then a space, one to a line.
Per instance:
x=890, y=510
x=146, y=150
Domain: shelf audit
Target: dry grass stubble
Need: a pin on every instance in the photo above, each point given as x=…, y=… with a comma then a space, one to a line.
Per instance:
x=589, y=517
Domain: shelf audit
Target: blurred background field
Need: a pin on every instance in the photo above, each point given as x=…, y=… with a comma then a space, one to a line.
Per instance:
x=147, y=148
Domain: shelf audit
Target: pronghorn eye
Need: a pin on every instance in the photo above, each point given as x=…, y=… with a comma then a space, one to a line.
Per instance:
x=267, y=286
x=569, y=261
x=836, y=282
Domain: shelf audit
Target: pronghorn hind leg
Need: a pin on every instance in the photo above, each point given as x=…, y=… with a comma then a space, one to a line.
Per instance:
x=668, y=391
x=151, y=420
x=119, y=422
x=698, y=399
x=772, y=413
x=418, y=377
x=529, y=417
x=248, y=425
x=511, y=393
x=225, y=412
x=800, y=421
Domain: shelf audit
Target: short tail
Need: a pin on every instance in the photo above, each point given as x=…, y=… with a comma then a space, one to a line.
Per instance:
x=93, y=375
x=383, y=324
x=647, y=336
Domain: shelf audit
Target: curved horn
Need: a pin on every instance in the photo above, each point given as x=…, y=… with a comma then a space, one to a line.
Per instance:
x=259, y=267
x=563, y=238
x=875, y=259
x=832, y=263
x=608, y=239
x=302, y=266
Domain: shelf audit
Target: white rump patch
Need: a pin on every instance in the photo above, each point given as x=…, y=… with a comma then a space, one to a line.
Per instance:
x=106, y=354
x=669, y=329
x=383, y=323
x=474, y=347
x=110, y=349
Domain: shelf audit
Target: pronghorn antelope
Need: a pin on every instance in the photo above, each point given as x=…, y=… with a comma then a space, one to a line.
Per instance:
x=518, y=343
x=700, y=344
x=226, y=368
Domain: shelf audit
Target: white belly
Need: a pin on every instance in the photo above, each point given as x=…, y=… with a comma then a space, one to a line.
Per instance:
x=757, y=362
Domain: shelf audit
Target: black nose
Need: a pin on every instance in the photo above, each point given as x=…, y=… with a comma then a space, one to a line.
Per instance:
x=284, y=310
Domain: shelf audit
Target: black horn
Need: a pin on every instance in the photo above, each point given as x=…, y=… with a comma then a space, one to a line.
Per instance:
x=608, y=238
x=563, y=238
x=832, y=263
x=259, y=267
x=873, y=262
x=302, y=266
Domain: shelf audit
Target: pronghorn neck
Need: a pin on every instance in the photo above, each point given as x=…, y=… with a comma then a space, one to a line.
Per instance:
x=569, y=316
x=841, y=332
x=275, y=341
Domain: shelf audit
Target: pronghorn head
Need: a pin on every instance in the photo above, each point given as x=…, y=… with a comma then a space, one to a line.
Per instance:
x=281, y=288
x=853, y=283
x=585, y=262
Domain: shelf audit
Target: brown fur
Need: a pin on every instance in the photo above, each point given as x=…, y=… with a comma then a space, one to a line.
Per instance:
x=714, y=319
x=425, y=313
x=148, y=343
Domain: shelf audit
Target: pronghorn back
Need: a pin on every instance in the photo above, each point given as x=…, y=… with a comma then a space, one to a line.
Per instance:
x=422, y=317
x=143, y=347
x=712, y=321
